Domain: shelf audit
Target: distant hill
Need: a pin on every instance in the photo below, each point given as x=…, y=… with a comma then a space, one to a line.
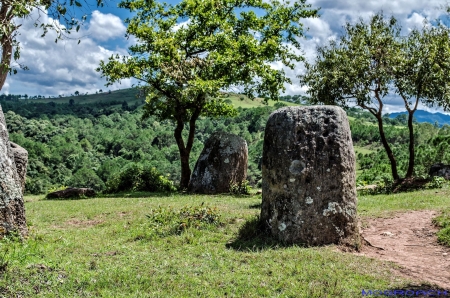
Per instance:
x=131, y=96
x=424, y=116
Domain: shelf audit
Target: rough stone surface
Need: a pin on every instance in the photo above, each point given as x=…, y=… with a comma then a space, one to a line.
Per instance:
x=71, y=192
x=222, y=162
x=440, y=170
x=308, y=176
x=12, y=210
x=21, y=160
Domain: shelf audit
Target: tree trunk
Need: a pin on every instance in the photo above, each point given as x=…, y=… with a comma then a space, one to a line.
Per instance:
x=6, y=61
x=6, y=42
x=185, y=151
x=12, y=210
x=410, y=170
x=185, y=170
x=387, y=148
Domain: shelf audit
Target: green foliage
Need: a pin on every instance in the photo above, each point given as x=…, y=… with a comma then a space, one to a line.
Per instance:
x=85, y=177
x=436, y=182
x=61, y=145
x=56, y=188
x=443, y=221
x=242, y=188
x=169, y=221
x=138, y=177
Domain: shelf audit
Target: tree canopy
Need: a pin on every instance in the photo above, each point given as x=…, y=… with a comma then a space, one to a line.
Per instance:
x=188, y=53
x=371, y=62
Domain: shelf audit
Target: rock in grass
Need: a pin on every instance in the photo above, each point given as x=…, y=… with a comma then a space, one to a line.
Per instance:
x=308, y=174
x=440, y=170
x=71, y=192
x=222, y=162
x=12, y=210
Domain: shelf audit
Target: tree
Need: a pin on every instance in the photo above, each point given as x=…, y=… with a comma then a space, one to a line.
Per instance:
x=421, y=75
x=188, y=52
x=77, y=93
x=371, y=61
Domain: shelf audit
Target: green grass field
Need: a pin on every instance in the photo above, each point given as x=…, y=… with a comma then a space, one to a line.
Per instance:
x=108, y=247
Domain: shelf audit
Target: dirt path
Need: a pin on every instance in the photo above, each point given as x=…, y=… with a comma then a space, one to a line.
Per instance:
x=409, y=239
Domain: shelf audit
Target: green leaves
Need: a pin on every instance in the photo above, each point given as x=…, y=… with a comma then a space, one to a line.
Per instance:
x=196, y=48
x=358, y=65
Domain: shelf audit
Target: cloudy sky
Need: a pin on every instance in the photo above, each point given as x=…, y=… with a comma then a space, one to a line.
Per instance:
x=66, y=67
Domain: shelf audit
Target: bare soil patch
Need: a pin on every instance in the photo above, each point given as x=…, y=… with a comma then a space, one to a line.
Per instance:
x=409, y=240
x=83, y=223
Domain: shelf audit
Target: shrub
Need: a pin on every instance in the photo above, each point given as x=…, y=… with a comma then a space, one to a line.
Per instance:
x=36, y=185
x=56, y=188
x=436, y=182
x=87, y=178
x=168, y=221
x=242, y=188
x=138, y=177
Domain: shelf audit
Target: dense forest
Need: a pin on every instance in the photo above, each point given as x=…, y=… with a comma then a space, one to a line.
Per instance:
x=91, y=144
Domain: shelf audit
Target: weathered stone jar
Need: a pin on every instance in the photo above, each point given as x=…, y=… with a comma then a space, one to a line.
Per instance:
x=12, y=210
x=308, y=173
x=222, y=162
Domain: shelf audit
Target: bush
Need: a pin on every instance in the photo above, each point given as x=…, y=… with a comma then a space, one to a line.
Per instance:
x=242, y=188
x=87, y=178
x=138, y=177
x=436, y=182
x=168, y=221
x=36, y=185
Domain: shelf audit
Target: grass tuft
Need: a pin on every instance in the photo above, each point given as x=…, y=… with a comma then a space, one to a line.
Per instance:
x=443, y=221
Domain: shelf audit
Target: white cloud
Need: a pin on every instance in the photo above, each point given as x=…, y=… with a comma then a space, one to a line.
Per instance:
x=66, y=66
x=181, y=25
x=103, y=27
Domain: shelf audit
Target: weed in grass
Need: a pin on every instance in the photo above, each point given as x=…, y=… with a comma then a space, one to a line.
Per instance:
x=242, y=188
x=169, y=221
x=443, y=221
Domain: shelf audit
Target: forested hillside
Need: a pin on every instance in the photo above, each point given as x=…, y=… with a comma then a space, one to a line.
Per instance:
x=75, y=144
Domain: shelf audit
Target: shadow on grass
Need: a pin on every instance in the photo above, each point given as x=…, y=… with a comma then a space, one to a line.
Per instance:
x=253, y=236
x=69, y=198
x=410, y=290
x=137, y=194
x=255, y=206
